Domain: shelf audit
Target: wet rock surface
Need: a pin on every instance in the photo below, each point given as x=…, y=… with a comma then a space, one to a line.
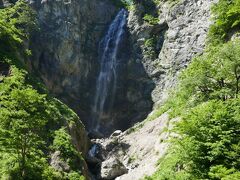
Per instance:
x=65, y=55
x=116, y=133
x=112, y=168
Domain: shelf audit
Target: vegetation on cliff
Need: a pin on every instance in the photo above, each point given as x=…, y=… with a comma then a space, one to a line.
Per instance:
x=31, y=122
x=227, y=21
x=207, y=100
x=35, y=141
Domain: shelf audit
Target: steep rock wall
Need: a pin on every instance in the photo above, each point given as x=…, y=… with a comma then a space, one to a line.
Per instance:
x=179, y=36
x=66, y=58
x=65, y=48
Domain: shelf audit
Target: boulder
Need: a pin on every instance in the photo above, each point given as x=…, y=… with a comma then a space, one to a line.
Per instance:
x=112, y=168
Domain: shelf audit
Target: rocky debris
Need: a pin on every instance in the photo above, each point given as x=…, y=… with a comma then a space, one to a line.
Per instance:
x=234, y=35
x=57, y=163
x=134, y=153
x=147, y=143
x=112, y=168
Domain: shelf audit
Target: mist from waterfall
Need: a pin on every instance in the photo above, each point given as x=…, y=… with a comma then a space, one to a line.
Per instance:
x=106, y=84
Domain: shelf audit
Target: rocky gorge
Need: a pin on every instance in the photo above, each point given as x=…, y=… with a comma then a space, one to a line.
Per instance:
x=68, y=62
x=65, y=54
x=112, y=66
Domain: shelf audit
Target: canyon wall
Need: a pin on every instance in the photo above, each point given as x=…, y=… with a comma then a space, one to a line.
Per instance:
x=65, y=53
x=179, y=35
x=65, y=48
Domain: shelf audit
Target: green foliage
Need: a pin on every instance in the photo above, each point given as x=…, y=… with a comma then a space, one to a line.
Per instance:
x=28, y=118
x=170, y=2
x=75, y=176
x=24, y=113
x=221, y=172
x=210, y=132
x=150, y=47
x=150, y=19
x=214, y=75
x=172, y=166
x=63, y=143
x=122, y=3
x=227, y=19
x=16, y=23
x=207, y=99
x=28, y=122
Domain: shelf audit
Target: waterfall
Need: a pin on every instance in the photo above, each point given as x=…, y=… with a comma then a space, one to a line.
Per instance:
x=106, y=84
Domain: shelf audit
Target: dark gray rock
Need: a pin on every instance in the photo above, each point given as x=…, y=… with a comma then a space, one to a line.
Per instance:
x=6, y=3
x=1, y=4
x=65, y=49
x=112, y=168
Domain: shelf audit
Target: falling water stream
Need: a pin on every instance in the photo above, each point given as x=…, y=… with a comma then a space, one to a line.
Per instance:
x=106, y=84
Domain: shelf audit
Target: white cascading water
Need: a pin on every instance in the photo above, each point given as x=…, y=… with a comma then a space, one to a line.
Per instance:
x=107, y=79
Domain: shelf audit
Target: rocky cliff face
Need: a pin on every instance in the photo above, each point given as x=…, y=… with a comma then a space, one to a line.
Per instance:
x=65, y=52
x=177, y=38
x=65, y=55
x=152, y=71
x=159, y=52
x=65, y=49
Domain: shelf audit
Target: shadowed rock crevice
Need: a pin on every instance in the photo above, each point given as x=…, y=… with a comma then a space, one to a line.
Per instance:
x=4, y=69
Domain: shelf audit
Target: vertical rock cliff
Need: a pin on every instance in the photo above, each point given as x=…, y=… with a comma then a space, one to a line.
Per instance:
x=65, y=48
x=112, y=66
x=66, y=56
x=66, y=53
x=179, y=35
x=158, y=53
